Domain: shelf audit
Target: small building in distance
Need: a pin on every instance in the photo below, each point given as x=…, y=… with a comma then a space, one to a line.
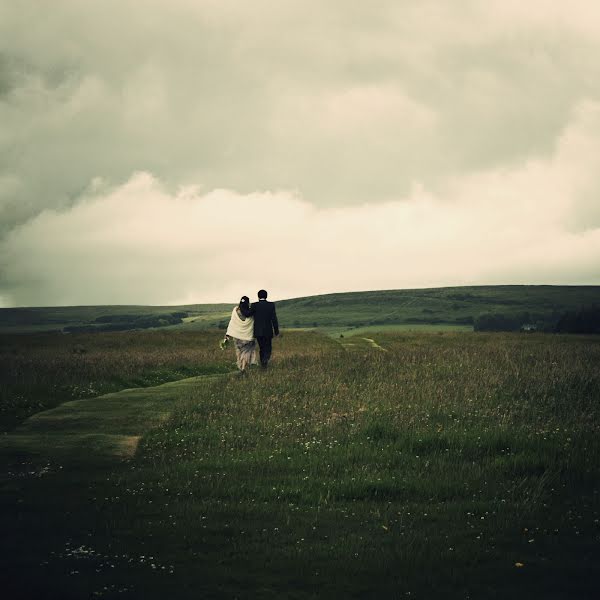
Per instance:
x=528, y=328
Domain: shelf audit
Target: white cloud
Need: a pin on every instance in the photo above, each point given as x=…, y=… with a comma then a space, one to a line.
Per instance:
x=420, y=144
x=346, y=103
x=139, y=243
x=579, y=16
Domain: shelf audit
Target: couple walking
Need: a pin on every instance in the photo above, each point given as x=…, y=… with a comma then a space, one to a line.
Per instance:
x=248, y=322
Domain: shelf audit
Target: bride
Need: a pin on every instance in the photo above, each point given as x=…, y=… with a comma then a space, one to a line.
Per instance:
x=241, y=330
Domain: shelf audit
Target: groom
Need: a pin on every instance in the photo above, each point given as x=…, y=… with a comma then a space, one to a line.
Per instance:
x=265, y=326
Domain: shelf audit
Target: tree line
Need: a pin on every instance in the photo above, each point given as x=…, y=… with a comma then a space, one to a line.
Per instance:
x=582, y=320
x=127, y=322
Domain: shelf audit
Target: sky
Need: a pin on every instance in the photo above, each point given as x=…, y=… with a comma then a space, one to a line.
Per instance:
x=191, y=151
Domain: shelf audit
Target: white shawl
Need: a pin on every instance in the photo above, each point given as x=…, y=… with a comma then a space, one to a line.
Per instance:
x=242, y=330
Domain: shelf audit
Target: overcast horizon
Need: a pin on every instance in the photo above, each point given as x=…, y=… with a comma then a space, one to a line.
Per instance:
x=194, y=151
x=254, y=297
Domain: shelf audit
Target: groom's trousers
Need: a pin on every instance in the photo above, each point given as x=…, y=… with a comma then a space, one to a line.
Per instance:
x=265, y=345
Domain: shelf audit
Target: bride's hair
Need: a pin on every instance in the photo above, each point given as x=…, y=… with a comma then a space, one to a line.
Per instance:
x=245, y=305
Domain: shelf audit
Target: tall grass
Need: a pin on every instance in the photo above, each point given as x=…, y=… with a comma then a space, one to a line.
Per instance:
x=40, y=371
x=422, y=466
x=452, y=465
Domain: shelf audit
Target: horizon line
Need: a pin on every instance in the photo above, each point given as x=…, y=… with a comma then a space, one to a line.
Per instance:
x=442, y=287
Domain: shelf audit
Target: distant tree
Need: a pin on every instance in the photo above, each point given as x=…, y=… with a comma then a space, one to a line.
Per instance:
x=584, y=320
x=117, y=318
x=464, y=320
x=497, y=322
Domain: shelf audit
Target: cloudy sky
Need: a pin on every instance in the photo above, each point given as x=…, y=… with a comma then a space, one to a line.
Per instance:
x=179, y=151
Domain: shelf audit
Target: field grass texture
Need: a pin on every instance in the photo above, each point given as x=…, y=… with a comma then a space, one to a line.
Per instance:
x=394, y=465
x=436, y=307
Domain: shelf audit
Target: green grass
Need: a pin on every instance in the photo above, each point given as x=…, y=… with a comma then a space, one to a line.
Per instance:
x=111, y=424
x=394, y=328
x=434, y=306
x=55, y=318
x=430, y=469
x=439, y=308
x=40, y=371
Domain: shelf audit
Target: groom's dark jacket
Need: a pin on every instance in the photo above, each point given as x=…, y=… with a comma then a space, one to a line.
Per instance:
x=265, y=319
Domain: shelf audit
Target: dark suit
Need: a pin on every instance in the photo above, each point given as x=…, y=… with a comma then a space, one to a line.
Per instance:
x=265, y=326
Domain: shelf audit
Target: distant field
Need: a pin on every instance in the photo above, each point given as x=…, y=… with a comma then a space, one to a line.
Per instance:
x=456, y=307
x=391, y=328
x=40, y=319
x=198, y=322
x=392, y=465
x=436, y=306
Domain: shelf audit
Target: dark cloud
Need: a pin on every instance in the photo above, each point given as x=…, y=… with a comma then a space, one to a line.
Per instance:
x=346, y=104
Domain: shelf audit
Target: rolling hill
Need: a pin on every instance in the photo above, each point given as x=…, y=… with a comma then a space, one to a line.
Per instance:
x=457, y=307
x=449, y=306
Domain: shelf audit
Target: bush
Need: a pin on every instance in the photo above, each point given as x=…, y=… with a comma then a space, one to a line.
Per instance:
x=584, y=320
x=499, y=322
x=124, y=323
x=180, y=314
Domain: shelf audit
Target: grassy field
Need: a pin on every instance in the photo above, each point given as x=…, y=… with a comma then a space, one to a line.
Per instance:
x=435, y=306
x=400, y=328
x=56, y=318
x=398, y=465
x=42, y=370
x=438, y=308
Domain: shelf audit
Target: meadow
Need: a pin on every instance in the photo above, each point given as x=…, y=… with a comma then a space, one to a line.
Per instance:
x=398, y=465
x=417, y=309
x=40, y=371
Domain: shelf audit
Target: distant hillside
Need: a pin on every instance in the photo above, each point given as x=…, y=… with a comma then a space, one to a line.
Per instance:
x=451, y=305
x=455, y=306
x=103, y=318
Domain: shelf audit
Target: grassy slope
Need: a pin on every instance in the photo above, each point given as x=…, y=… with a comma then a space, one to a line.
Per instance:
x=429, y=469
x=437, y=306
x=32, y=319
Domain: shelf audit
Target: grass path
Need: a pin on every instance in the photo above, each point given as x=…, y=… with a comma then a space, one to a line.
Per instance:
x=110, y=426
x=374, y=344
x=356, y=343
x=104, y=428
x=455, y=465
